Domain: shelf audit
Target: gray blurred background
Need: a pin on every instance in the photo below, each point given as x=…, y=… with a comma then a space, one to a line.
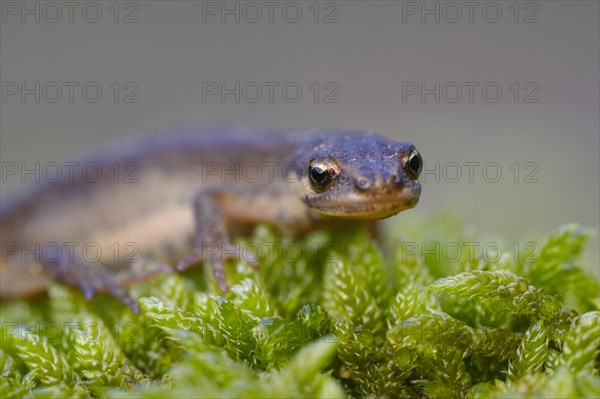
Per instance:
x=370, y=60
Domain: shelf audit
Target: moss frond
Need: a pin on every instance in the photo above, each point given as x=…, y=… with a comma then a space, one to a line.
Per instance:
x=327, y=316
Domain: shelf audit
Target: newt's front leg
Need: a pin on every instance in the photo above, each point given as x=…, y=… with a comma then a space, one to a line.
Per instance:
x=90, y=278
x=212, y=244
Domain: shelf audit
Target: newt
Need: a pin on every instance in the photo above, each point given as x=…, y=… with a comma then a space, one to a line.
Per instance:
x=183, y=196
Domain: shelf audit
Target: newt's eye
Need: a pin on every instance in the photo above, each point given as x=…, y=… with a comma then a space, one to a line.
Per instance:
x=321, y=174
x=415, y=164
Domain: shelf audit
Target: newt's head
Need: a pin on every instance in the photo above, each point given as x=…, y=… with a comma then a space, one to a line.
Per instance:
x=361, y=176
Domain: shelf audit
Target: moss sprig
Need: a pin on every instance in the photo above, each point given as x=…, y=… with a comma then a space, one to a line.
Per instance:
x=327, y=316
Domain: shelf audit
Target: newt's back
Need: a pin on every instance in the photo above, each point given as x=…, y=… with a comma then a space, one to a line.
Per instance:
x=130, y=197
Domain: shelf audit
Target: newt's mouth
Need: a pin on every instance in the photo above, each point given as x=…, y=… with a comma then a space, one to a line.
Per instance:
x=365, y=208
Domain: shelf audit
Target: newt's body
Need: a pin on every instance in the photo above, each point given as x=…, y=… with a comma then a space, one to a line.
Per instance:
x=158, y=192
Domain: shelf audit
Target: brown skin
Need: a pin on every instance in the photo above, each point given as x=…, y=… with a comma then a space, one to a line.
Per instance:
x=201, y=184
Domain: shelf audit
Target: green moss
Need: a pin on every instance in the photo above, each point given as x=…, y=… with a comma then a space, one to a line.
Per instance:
x=327, y=316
